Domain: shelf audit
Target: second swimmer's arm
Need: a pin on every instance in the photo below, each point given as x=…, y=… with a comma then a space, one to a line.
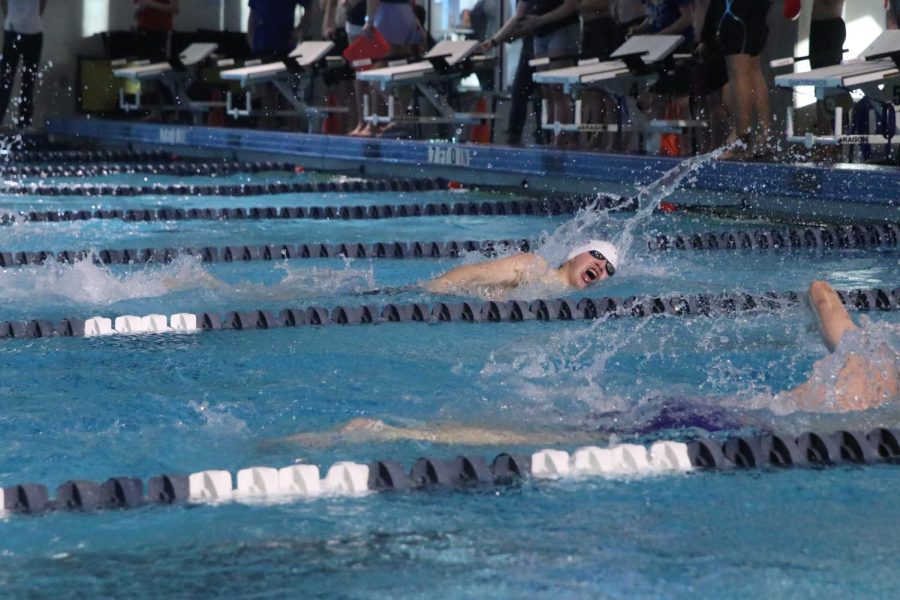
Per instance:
x=509, y=271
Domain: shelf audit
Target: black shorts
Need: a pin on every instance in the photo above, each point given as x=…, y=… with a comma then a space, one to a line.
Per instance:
x=742, y=30
x=676, y=82
x=598, y=38
x=826, y=42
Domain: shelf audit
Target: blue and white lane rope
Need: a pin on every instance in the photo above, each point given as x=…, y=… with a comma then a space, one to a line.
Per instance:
x=263, y=484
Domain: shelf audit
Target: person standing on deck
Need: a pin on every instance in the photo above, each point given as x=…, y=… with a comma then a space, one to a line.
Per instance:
x=23, y=38
x=155, y=21
x=739, y=27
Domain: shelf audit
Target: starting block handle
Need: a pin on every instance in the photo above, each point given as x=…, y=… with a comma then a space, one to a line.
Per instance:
x=894, y=55
x=787, y=61
x=129, y=106
x=235, y=112
x=292, y=64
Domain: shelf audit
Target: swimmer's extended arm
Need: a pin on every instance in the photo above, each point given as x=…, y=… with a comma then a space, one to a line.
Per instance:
x=509, y=271
x=202, y=278
x=861, y=382
x=374, y=430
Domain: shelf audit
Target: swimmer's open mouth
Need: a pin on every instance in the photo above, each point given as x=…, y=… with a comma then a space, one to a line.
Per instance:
x=591, y=275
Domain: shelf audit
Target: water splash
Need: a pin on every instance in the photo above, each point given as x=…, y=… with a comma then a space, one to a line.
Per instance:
x=567, y=374
x=218, y=420
x=87, y=283
x=593, y=222
x=575, y=372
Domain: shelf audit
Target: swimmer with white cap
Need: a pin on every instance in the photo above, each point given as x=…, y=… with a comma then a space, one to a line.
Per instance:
x=585, y=265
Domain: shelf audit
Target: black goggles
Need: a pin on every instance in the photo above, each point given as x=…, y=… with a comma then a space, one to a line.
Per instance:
x=610, y=270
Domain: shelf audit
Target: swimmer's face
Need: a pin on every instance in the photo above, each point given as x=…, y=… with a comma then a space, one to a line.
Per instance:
x=585, y=270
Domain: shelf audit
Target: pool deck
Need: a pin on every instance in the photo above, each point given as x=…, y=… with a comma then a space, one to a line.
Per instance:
x=779, y=191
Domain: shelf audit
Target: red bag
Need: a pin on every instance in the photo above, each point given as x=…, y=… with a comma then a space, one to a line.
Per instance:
x=367, y=49
x=791, y=9
x=670, y=143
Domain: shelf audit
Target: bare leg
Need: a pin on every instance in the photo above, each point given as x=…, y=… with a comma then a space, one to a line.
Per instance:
x=833, y=317
x=360, y=89
x=760, y=103
x=592, y=112
x=719, y=119
x=561, y=106
x=741, y=97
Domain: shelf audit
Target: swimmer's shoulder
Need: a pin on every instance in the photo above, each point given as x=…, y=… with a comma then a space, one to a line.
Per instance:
x=525, y=267
x=526, y=261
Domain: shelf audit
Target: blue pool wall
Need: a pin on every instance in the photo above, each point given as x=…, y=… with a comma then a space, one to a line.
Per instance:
x=799, y=191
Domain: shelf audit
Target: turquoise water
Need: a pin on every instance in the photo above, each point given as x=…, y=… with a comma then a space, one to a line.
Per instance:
x=141, y=406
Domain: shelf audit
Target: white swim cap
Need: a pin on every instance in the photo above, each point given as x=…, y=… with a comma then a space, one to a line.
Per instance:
x=608, y=251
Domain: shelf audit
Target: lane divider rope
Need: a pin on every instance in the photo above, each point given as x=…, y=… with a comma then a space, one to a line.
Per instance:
x=184, y=169
x=853, y=236
x=840, y=236
x=397, y=184
x=524, y=207
x=267, y=252
x=511, y=311
x=56, y=156
x=267, y=484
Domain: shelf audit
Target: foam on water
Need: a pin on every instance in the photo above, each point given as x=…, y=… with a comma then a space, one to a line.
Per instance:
x=300, y=281
x=569, y=373
x=84, y=282
x=88, y=283
x=218, y=421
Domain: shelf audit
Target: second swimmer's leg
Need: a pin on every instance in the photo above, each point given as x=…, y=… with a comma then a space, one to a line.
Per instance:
x=834, y=320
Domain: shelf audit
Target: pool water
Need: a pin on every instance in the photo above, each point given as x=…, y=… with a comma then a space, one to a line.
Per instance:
x=80, y=408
